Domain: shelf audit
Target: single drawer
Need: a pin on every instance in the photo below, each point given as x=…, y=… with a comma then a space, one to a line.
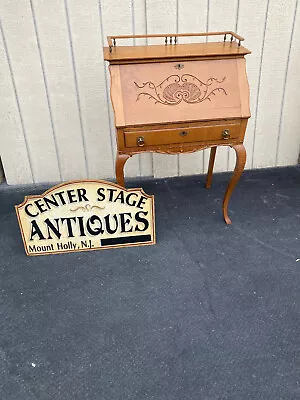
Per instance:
x=208, y=133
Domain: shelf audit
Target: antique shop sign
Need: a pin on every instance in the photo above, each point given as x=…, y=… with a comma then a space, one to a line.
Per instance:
x=86, y=215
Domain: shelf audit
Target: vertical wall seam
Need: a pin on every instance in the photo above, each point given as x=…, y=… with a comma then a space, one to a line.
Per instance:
x=133, y=21
x=46, y=89
x=285, y=83
x=76, y=88
x=106, y=86
x=146, y=31
x=134, y=43
x=18, y=103
x=146, y=21
x=259, y=80
x=207, y=18
x=236, y=27
x=177, y=16
x=237, y=15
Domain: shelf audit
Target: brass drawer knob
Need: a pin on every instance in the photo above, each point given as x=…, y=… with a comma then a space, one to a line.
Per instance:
x=140, y=141
x=226, y=134
x=183, y=133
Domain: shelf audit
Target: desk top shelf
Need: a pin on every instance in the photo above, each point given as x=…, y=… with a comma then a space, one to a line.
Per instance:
x=171, y=49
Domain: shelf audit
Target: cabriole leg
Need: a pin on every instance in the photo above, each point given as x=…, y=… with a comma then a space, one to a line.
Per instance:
x=239, y=168
x=210, y=166
x=120, y=162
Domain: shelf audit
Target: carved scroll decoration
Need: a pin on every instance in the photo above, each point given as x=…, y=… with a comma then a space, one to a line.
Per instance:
x=175, y=89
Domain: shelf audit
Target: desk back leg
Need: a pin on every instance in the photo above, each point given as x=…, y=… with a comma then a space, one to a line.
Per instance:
x=210, y=166
x=239, y=168
x=120, y=162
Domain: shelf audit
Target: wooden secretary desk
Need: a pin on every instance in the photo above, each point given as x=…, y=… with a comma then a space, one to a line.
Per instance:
x=178, y=98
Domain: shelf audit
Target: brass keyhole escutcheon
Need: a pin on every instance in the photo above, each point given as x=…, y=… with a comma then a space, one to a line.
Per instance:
x=140, y=141
x=179, y=66
x=226, y=134
x=183, y=133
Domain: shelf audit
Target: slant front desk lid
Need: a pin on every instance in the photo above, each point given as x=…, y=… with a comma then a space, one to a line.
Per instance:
x=169, y=83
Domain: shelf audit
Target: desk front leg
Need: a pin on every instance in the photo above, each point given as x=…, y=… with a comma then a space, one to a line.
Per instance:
x=120, y=162
x=239, y=168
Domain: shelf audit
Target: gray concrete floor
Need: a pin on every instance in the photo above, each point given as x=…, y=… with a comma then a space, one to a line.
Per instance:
x=210, y=312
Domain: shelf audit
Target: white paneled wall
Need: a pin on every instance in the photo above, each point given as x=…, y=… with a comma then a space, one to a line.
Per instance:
x=56, y=120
